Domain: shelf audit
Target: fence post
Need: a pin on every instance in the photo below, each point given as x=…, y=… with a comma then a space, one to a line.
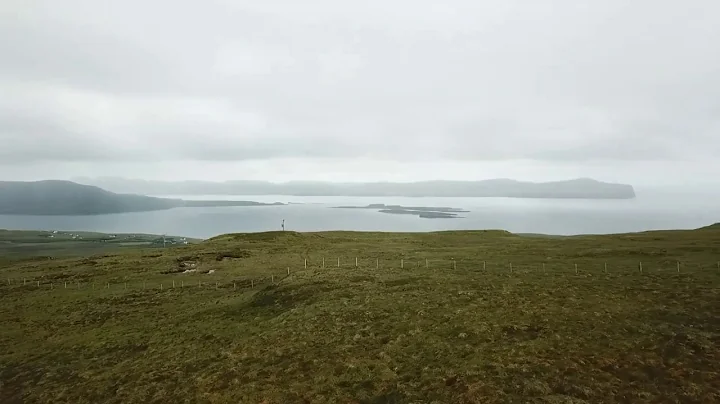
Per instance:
x=323, y=262
x=377, y=263
x=402, y=263
x=484, y=265
x=23, y=281
x=606, y=267
x=65, y=285
x=182, y=284
x=338, y=262
x=234, y=286
x=161, y=288
x=288, y=271
x=125, y=285
x=356, y=262
x=454, y=264
x=272, y=279
x=640, y=266
x=576, y=270
x=38, y=283
x=678, y=266
x=252, y=283
x=305, y=263
x=173, y=283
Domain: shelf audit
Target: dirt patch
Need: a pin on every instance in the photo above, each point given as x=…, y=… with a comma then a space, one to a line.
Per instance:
x=187, y=263
x=401, y=282
x=362, y=279
x=278, y=299
x=523, y=332
x=229, y=255
x=183, y=265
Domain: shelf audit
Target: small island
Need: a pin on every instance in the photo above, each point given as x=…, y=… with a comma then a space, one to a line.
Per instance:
x=424, y=212
x=182, y=203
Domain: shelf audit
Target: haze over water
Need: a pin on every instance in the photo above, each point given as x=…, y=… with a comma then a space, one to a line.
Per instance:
x=369, y=91
x=649, y=211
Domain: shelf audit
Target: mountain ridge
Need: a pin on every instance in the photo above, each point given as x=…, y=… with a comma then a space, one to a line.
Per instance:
x=578, y=188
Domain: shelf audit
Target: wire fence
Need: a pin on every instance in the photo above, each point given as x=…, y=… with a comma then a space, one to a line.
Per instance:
x=144, y=285
x=182, y=280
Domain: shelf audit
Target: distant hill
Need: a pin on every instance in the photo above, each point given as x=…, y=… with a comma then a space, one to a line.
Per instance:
x=69, y=198
x=578, y=188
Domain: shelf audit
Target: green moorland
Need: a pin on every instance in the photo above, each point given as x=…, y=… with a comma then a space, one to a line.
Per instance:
x=222, y=321
x=15, y=244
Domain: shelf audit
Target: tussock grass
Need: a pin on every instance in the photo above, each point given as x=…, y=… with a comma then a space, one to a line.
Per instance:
x=370, y=335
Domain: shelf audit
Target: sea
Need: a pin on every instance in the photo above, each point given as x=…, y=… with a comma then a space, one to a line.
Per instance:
x=650, y=210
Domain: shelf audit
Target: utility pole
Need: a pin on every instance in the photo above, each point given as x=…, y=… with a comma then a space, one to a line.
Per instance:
x=283, y=225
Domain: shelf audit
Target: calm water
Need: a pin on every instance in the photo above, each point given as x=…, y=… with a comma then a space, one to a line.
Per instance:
x=650, y=210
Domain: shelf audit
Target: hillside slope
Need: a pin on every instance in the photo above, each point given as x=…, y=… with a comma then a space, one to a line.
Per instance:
x=69, y=198
x=490, y=317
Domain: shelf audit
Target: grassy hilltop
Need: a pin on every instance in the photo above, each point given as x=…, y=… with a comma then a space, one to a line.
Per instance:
x=237, y=328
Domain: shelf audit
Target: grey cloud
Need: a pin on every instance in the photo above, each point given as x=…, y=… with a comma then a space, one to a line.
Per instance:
x=240, y=80
x=29, y=141
x=68, y=55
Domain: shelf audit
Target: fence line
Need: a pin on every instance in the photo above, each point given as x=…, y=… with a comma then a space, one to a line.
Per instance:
x=453, y=263
x=246, y=284
x=402, y=263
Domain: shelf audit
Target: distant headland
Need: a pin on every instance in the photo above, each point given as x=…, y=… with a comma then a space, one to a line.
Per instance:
x=69, y=198
x=581, y=188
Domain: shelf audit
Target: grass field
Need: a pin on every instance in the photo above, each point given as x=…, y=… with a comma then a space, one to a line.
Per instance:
x=15, y=244
x=464, y=329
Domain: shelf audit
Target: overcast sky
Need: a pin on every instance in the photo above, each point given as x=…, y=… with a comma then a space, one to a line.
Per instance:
x=617, y=90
